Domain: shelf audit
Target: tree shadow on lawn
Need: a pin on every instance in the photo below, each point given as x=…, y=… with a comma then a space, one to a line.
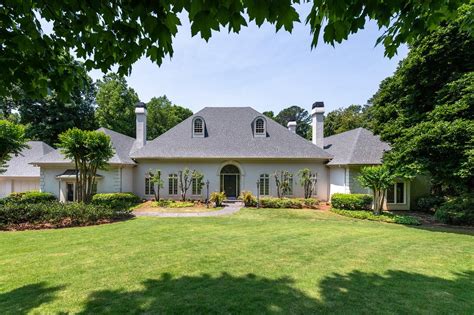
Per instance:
x=23, y=299
x=356, y=292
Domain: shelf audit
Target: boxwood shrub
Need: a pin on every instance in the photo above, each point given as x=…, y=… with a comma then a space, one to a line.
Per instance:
x=118, y=201
x=29, y=197
x=288, y=203
x=56, y=214
x=351, y=201
x=457, y=210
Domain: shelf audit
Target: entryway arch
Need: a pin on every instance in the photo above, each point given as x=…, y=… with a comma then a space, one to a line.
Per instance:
x=230, y=180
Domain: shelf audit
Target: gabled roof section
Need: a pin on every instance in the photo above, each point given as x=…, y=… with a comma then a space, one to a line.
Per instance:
x=121, y=143
x=19, y=166
x=229, y=134
x=356, y=147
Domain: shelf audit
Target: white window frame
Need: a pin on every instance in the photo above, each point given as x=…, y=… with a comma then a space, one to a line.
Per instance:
x=149, y=187
x=173, y=187
x=194, y=191
x=260, y=134
x=264, y=178
x=203, y=127
x=395, y=194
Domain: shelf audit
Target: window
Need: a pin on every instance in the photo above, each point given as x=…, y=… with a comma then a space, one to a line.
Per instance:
x=173, y=184
x=198, y=127
x=149, y=187
x=289, y=190
x=260, y=126
x=264, y=185
x=196, y=187
x=396, y=193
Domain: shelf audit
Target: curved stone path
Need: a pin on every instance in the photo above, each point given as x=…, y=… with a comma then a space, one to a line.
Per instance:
x=228, y=209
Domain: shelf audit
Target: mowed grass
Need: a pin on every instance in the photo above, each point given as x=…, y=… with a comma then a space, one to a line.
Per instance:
x=256, y=261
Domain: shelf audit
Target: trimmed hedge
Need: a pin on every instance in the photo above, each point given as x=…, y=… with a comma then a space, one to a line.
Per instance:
x=29, y=197
x=288, y=203
x=118, y=201
x=351, y=201
x=384, y=217
x=56, y=214
x=458, y=210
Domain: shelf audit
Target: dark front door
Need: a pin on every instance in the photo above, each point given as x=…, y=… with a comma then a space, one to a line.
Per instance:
x=70, y=192
x=230, y=186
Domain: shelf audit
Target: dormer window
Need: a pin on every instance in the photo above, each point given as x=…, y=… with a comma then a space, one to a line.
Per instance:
x=260, y=127
x=198, y=127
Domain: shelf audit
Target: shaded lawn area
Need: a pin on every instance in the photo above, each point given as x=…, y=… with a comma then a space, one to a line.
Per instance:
x=256, y=261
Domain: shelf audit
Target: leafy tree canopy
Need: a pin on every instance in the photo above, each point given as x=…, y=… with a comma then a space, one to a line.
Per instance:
x=108, y=33
x=12, y=141
x=426, y=109
x=345, y=119
x=116, y=104
x=164, y=115
x=298, y=114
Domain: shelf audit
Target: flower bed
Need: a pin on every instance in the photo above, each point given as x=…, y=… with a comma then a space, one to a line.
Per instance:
x=384, y=217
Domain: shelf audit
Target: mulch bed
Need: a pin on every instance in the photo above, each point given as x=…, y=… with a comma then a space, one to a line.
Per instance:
x=66, y=223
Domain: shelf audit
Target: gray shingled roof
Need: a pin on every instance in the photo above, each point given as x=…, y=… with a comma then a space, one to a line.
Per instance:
x=357, y=146
x=121, y=143
x=20, y=165
x=230, y=135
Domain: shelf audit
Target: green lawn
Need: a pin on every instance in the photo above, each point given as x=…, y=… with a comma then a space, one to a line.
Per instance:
x=256, y=261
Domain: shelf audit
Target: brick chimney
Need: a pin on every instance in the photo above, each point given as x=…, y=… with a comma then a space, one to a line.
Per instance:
x=317, y=123
x=140, y=112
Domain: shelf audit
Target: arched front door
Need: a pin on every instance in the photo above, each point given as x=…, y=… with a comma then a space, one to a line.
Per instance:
x=230, y=181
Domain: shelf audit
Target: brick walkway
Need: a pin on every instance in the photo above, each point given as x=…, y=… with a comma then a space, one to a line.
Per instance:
x=228, y=209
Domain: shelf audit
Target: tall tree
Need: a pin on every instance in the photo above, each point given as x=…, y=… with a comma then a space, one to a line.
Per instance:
x=12, y=141
x=164, y=115
x=90, y=151
x=269, y=114
x=46, y=118
x=108, y=33
x=378, y=179
x=116, y=104
x=298, y=114
x=345, y=119
x=426, y=109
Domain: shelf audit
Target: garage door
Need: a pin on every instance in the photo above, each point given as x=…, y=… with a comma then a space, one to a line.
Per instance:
x=5, y=187
x=21, y=185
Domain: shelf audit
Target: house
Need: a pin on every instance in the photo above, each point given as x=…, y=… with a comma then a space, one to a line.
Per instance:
x=234, y=147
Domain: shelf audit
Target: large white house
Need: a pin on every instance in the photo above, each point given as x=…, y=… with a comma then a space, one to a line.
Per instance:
x=234, y=147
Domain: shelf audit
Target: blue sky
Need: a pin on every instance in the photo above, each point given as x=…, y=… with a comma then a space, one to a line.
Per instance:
x=265, y=70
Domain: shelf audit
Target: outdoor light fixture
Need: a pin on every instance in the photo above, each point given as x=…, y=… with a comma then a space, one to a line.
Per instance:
x=207, y=193
x=258, y=194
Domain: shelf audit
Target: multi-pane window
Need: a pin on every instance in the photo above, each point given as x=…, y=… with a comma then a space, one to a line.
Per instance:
x=173, y=184
x=196, y=187
x=198, y=127
x=396, y=193
x=149, y=187
x=259, y=127
x=264, y=185
x=289, y=190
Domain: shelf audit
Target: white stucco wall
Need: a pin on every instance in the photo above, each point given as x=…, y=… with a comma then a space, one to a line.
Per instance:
x=250, y=173
x=113, y=180
x=338, y=180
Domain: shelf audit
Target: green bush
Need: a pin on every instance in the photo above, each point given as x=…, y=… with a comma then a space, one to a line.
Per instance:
x=57, y=214
x=173, y=204
x=457, y=210
x=351, y=201
x=288, y=203
x=248, y=198
x=429, y=203
x=117, y=201
x=384, y=217
x=217, y=198
x=29, y=197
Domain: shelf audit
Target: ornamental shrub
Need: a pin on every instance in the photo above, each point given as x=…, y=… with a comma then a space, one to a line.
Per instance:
x=383, y=217
x=288, y=203
x=29, y=197
x=351, y=201
x=217, y=198
x=429, y=203
x=57, y=214
x=117, y=201
x=248, y=198
x=457, y=210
